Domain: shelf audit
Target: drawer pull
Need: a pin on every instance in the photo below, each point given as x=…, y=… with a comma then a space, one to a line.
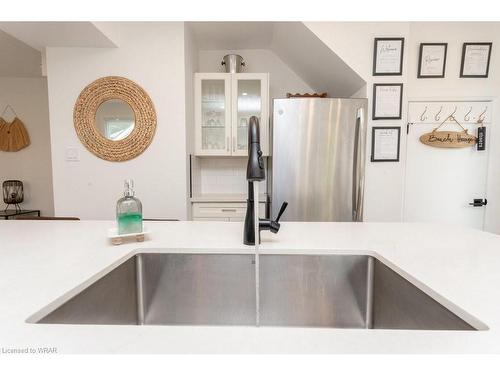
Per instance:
x=229, y=210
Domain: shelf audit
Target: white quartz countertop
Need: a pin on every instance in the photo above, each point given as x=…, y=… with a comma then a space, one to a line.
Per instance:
x=42, y=261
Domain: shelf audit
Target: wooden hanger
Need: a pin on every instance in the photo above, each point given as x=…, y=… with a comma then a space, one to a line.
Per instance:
x=451, y=118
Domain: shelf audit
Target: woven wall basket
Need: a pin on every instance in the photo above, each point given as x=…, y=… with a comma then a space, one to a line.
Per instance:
x=84, y=115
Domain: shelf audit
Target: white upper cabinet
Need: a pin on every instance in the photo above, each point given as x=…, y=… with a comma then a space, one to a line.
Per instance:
x=250, y=97
x=224, y=103
x=213, y=114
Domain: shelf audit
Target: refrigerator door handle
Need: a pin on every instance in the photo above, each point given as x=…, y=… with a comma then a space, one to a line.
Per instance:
x=358, y=171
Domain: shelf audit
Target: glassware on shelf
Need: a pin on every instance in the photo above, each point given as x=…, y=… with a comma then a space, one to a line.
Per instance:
x=213, y=119
x=212, y=91
x=213, y=108
x=242, y=138
x=213, y=138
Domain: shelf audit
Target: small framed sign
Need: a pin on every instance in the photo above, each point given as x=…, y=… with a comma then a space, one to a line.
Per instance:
x=387, y=101
x=432, y=60
x=475, y=60
x=388, y=56
x=385, y=143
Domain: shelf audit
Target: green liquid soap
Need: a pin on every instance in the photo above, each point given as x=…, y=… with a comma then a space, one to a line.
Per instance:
x=129, y=223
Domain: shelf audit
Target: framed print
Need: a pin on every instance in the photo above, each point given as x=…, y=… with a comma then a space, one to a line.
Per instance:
x=385, y=143
x=387, y=101
x=432, y=60
x=388, y=56
x=475, y=60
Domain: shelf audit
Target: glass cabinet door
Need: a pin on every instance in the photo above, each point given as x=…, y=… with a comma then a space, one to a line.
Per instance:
x=249, y=99
x=213, y=115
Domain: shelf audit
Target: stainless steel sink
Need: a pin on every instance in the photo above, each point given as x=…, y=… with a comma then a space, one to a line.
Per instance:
x=338, y=291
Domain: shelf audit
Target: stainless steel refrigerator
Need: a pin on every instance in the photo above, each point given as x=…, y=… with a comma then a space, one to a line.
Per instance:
x=318, y=158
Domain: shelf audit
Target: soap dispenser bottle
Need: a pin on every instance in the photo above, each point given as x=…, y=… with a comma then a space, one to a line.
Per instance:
x=129, y=211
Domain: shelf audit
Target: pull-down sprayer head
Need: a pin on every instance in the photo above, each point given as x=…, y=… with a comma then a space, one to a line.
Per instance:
x=255, y=166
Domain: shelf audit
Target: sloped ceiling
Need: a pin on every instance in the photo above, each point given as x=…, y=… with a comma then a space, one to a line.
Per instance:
x=314, y=61
x=232, y=35
x=18, y=59
x=57, y=34
x=294, y=43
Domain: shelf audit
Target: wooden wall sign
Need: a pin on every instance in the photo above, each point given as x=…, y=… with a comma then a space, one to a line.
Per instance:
x=448, y=139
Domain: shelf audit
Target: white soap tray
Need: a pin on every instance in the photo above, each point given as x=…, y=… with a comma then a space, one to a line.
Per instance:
x=117, y=239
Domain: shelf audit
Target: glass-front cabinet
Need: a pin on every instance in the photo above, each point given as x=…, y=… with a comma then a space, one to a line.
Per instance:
x=249, y=98
x=213, y=114
x=224, y=103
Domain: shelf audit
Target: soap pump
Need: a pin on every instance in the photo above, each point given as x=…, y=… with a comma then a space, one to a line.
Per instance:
x=129, y=211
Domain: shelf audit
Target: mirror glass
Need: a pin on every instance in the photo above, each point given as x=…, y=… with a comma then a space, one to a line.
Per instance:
x=115, y=119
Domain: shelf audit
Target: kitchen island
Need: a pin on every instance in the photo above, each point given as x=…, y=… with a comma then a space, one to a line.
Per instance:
x=43, y=261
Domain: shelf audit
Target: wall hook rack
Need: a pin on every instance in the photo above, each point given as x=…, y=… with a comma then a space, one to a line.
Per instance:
x=465, y=111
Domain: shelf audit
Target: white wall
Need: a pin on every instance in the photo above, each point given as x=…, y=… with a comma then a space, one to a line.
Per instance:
x=282, y=78
x=455, y=33
x=152, y=55
x=32, y=165
x=353, y=42
x=18, y=59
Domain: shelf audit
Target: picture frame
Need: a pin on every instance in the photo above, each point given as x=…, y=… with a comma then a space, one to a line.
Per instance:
x=388, y=56
x=475, y=60
x=432, y=60
x=386, y=142
x=387, y=101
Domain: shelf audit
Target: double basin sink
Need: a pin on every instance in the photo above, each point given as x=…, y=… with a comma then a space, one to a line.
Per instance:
x=337, y=291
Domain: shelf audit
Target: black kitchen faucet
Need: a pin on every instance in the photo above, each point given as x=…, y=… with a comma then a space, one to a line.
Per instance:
x=256, y=173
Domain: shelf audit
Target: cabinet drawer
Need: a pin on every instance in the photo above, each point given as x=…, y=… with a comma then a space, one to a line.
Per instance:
x=223, y=210
x=219, y=209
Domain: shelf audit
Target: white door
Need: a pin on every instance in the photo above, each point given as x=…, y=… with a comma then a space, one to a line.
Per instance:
x=441, y=183
x=249, y=98
x=213, y=114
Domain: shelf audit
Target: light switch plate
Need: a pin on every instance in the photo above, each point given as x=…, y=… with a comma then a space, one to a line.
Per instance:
x=72, y=154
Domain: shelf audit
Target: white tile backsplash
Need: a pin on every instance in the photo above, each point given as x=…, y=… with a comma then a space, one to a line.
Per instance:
x=224, y=175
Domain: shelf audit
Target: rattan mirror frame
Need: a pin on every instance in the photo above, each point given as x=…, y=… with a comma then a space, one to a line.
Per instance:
x=114, y=87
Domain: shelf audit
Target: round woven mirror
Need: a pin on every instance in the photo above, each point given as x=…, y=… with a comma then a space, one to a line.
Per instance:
x=114, y=118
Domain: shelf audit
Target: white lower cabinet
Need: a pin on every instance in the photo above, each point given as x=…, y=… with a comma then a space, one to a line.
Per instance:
x=223, y=211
